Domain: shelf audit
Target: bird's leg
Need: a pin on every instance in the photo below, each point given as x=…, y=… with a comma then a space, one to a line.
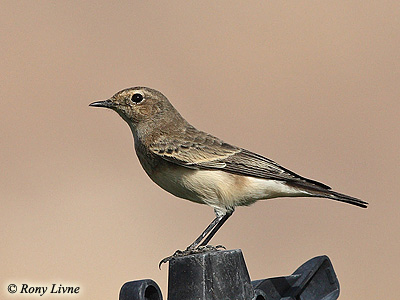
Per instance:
x=210, y=227
x=210, y=231
x=198, y=246
x=216, y=228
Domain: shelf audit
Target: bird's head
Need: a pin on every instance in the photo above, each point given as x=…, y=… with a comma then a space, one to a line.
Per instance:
x=140, y=105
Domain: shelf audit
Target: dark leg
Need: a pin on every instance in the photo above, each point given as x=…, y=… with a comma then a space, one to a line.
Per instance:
x=212, y=225
x=207, y=235
x=216, y=228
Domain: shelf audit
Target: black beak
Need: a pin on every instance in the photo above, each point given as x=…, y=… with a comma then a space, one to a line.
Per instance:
x=105, y=103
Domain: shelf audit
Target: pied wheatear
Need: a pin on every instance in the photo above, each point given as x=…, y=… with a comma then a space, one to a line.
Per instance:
x=194, y=165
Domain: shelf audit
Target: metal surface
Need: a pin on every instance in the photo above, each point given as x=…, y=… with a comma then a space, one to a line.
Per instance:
x=210, y=276
x=223, y=275
x=145, y=289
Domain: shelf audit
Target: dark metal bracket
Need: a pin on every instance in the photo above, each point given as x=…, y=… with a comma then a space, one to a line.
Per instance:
x=223, y=275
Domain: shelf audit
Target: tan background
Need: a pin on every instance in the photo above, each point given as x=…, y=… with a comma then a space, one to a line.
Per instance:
x=313, y=85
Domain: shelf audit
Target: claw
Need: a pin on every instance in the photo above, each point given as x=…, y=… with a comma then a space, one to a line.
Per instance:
x=188, y=251
x=164, y=260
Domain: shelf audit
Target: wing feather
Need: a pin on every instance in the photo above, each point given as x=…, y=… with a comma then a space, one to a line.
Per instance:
x=198, y=150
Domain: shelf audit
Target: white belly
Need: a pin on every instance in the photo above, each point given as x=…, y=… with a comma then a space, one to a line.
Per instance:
x=219, y=189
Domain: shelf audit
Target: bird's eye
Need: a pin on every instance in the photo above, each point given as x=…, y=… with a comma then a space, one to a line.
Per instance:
x=137, y=98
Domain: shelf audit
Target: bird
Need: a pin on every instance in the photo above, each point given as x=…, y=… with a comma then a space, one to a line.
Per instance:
x=197, y=166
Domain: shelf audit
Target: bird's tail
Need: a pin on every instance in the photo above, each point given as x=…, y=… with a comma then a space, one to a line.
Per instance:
x=312, y=188
x=339, y=197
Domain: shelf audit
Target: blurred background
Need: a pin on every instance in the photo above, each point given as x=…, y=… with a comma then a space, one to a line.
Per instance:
x=313, y=85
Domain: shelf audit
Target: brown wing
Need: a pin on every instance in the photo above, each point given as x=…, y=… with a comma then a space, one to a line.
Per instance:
x=198, y=150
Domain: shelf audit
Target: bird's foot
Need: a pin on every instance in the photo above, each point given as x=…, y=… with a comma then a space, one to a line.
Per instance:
x=189, y=251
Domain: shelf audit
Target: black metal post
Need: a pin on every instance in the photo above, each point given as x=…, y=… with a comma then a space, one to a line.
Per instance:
x=223, y=275
x=210, y=276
